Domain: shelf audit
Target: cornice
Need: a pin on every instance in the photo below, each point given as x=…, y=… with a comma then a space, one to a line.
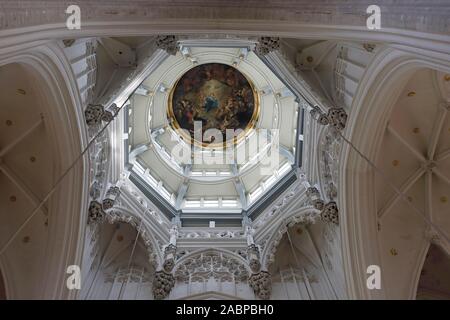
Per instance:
x=416, y=15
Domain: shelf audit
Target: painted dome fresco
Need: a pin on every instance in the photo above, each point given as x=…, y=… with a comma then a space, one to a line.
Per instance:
x=212, y=102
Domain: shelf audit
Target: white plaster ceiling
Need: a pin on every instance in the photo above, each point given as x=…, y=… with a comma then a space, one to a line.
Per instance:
x=26, y=174
x=415, y=156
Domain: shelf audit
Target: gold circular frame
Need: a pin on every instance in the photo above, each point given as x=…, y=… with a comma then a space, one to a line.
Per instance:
x=187, y=137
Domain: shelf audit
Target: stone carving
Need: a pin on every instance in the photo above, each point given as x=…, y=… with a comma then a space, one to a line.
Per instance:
x=110, y=199
x=114, y=109
x=98, y=163
x=94, y=191
x=173, y=232
x=96, y=213
x=318, y=115
x=162, y=284
x=249, y=232
x=329, y=151
x=369, y=47
x=261, y=283
x=107, y=116
x=266, y=45
x=330, y=213
x=169, y=257
x=313, y=194
x=253, y=258
x=168, y=43
x=331, y=190
x=224, y=234
x=202, y=266
x=164, y=279
x=93, y=114
x=170, y=251
x=335, y=117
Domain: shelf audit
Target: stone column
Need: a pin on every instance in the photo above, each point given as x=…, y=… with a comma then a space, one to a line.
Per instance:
x=164, y=279
x=260, y=281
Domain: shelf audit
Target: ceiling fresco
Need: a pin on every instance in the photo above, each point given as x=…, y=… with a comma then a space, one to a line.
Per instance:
x=213, y=96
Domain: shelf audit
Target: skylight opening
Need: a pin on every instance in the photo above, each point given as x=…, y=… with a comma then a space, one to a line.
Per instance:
x=229, y=203
x=211, y=203
x=192, y=203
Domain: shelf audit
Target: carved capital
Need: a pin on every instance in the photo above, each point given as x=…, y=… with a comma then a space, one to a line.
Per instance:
x=96, y=113
x=314, y=198
x=107, y=116
x=93, y=114
x=335, y=117
x=261, y=283
x=330, y=213
x=168, y=43
x=253, y=258
x=96, y=212
x=266, y=45
x=162, y=284
x=111, y=195
x=169, y=257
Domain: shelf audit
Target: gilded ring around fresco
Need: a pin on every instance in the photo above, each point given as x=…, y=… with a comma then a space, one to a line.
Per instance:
x=213, y=96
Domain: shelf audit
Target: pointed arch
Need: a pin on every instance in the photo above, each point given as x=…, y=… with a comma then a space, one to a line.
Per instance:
x=155, y=254
x=377, y=93
x=51, y=80
x=303, y=215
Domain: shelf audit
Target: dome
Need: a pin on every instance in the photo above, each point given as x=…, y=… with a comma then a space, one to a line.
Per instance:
x=205, y=134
